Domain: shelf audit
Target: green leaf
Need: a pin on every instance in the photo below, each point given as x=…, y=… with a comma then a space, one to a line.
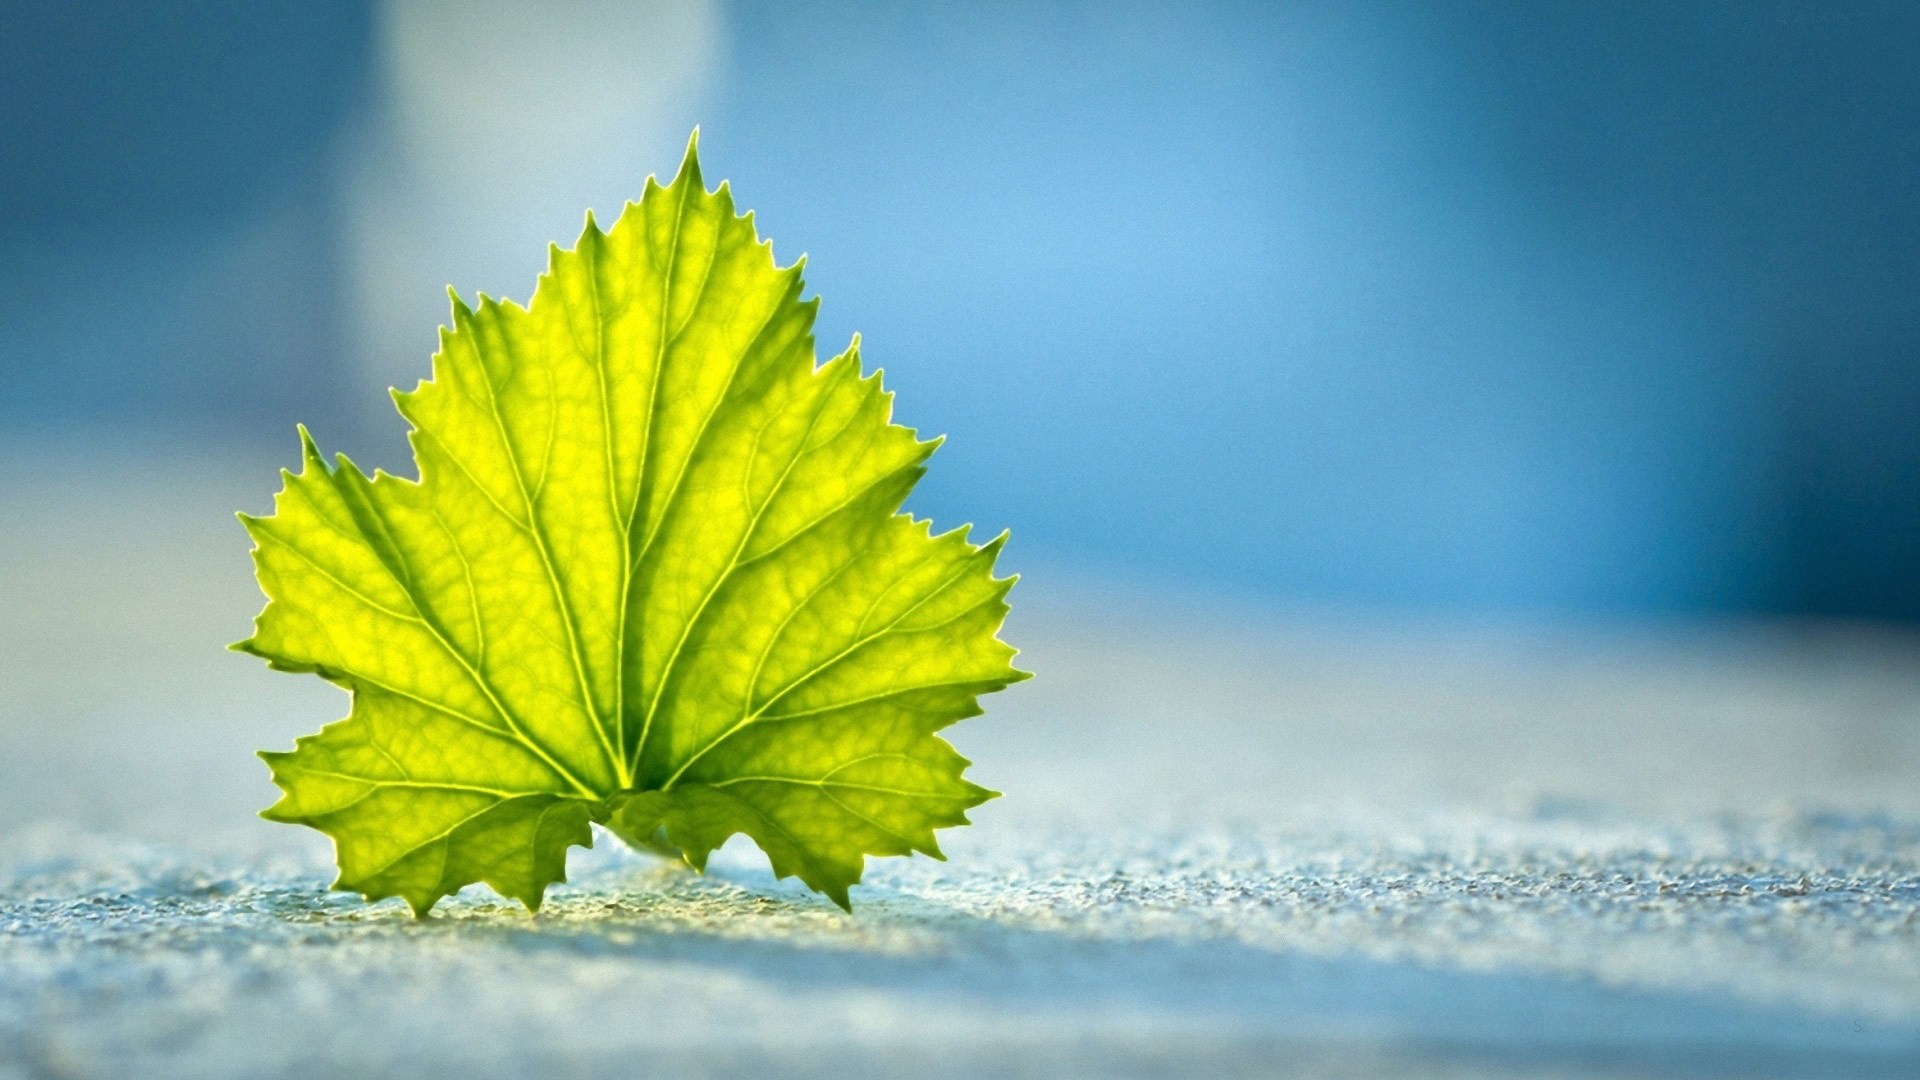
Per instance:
x=653, y=574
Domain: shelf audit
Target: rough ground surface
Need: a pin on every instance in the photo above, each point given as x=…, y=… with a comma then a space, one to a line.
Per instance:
x=1231, y=845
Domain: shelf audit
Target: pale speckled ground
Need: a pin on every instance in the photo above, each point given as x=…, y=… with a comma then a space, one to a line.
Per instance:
x=1232, y=844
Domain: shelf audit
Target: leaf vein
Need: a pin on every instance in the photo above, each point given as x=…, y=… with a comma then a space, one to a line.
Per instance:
x=561, y=602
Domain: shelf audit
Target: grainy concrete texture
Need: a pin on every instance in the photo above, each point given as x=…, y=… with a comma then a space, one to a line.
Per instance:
x=1232, y=844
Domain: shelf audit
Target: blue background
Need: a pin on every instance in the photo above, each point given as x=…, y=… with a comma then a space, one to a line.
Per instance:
x=1438, y=307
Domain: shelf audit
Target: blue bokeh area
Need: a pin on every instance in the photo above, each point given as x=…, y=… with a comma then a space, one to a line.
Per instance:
x=1248, y=296
x=1431, y=307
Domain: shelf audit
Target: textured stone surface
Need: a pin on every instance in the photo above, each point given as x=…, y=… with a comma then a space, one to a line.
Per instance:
x=1232, y=844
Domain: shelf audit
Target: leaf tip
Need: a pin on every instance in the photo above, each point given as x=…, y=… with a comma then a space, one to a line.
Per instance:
x=309, y=449
x=990, y=550
x=690, y=164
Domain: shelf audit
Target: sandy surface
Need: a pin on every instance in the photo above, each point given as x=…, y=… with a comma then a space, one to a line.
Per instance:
x=1232, y=844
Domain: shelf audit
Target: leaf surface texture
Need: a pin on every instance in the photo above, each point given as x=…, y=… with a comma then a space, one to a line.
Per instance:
x=653, y=574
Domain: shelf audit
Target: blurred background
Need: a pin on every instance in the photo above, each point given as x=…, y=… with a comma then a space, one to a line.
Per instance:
x=1425, y=306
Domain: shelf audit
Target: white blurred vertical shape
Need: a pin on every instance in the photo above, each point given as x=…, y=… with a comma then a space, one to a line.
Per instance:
x=498, y=123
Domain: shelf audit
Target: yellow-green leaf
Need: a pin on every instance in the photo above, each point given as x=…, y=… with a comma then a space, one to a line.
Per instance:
x=653, y=574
